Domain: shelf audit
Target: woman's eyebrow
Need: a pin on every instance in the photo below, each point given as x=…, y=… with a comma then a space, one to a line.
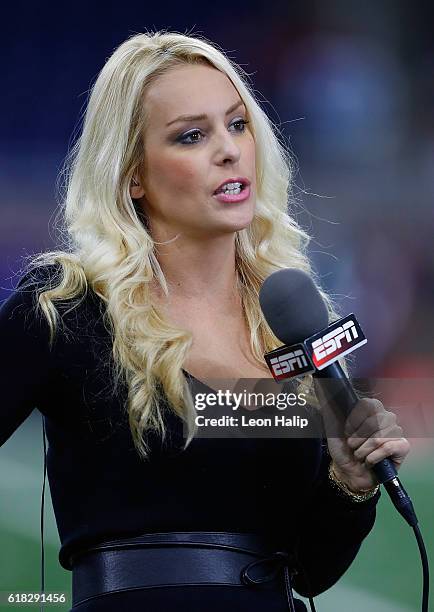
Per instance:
x=203, y=116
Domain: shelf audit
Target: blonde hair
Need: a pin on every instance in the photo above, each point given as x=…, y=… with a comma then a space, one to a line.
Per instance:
x=107, y=245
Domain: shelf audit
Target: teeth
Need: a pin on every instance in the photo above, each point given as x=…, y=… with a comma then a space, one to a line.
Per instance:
x=230, y=186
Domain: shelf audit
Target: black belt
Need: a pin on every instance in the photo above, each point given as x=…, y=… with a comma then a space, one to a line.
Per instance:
x=187, y=558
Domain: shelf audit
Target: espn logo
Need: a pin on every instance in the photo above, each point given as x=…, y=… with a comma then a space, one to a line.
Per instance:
x=288, y=361
x=340, y=339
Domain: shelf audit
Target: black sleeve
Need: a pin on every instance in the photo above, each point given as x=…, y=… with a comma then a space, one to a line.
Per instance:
x=331, y=532
x=25, y=356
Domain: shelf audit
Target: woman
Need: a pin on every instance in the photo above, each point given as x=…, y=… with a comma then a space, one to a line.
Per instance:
x=175, y=213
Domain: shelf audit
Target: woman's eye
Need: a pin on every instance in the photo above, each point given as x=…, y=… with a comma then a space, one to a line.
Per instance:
x=242, y=123
x=196, y=135
x=183, y=138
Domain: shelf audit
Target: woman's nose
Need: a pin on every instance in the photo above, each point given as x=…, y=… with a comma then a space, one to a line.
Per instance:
x=227, y=149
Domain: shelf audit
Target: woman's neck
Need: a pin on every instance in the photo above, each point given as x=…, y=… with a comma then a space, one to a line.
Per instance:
x=201, y=272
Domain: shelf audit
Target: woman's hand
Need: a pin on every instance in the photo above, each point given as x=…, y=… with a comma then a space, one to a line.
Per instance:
x=369, y=434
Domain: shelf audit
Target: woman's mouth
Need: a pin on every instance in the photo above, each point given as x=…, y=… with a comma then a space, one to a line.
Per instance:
x=232, y=195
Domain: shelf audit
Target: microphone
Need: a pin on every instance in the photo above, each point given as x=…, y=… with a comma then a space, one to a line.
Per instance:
x=298, y=316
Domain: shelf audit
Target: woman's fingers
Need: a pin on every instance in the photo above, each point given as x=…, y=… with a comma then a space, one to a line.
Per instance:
x=367, y=416
x=396, y=450
x=367, y=435
x=362, y=447
x=375, y=437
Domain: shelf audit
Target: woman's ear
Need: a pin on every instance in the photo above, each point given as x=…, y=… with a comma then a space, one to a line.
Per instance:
x=136, y=190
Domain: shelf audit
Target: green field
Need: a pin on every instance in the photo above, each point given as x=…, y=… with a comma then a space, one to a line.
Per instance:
x=385, y=577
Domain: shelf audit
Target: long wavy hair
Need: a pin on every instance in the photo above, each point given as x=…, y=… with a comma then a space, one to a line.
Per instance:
x=106, y=244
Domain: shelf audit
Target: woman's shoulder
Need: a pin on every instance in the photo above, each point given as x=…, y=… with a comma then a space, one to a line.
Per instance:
x=40, y=276
x=75, y=314
x=50, y=276
x=23, y=298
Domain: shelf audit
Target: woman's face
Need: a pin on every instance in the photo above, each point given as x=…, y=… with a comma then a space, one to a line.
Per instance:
x=186, y=160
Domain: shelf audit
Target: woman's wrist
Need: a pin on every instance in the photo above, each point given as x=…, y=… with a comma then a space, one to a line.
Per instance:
x=357, y=495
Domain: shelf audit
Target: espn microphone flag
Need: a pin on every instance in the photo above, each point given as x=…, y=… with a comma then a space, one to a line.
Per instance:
x=288, y=361
x=339, y=339
x=318, y=351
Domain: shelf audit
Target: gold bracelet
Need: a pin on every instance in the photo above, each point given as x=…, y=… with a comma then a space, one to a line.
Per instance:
x=364, y=495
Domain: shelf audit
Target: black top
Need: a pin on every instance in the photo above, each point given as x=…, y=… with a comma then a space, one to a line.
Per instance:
x=101, y=490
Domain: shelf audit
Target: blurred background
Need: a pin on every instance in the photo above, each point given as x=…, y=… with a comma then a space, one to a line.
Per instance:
x=350, y=85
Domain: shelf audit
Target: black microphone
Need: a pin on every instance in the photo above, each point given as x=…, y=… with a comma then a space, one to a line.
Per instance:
x=295, y=311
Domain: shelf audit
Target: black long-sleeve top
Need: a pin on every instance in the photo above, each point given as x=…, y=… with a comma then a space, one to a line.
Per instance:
x=101, y=490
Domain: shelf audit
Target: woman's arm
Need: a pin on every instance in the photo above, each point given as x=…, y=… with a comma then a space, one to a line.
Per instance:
x=336, y=524
x=331, y=530
x=26, y=363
